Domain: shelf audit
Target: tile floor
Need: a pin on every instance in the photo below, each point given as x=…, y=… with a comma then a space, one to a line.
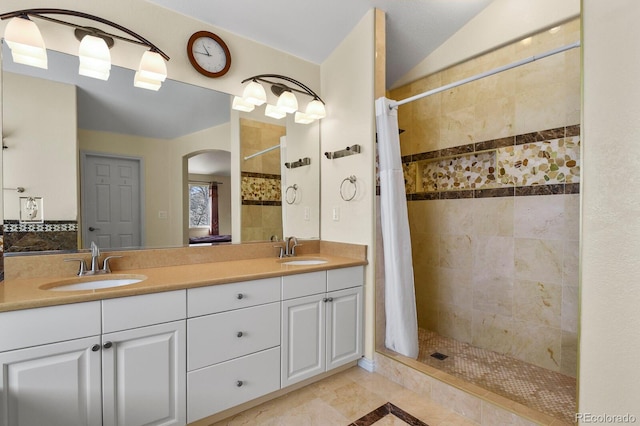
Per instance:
x=535, y=387
x=353, y=397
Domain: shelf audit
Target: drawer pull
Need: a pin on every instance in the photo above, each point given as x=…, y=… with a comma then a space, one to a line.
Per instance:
x=95, y=348
x=108, y=345
x=240, y=296
x=240, y=334
x=239, y=383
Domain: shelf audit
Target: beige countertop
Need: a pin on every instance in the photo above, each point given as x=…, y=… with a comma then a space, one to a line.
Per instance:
x=24, y=293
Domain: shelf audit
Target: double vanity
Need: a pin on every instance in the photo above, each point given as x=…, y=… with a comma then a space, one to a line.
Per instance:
x=179, y=344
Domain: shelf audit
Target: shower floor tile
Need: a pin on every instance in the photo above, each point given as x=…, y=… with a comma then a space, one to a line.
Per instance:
x=546, y=391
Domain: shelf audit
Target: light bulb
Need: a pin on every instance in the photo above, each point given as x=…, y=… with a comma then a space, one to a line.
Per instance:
x=239, y=104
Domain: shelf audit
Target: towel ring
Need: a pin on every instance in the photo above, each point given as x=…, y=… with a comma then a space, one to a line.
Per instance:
x=294, y=191
x=352, y=180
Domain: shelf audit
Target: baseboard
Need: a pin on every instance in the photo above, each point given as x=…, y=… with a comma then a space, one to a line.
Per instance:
x=367, y=364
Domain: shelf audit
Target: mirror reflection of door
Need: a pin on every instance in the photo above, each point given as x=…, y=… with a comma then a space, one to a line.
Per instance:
x=111, y=201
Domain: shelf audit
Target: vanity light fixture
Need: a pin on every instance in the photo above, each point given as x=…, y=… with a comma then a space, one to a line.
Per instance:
x=255, y=94
x=27, y=45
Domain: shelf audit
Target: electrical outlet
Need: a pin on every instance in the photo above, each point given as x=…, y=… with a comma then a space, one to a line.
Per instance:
x=336, y=213
x=162, y=214
x=307, y=213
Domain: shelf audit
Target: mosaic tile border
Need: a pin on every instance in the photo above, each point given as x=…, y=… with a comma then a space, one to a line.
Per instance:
x=385, y=410
x=539, y=163
x=47, y=226
x=260, y=189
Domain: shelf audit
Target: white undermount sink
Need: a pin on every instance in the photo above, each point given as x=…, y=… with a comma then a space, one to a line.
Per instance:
x=301, y=262
x=94, y=283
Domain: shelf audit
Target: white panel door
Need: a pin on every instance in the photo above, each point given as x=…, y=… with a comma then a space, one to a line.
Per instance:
x=344, y=327
x=53, y=385
x=144, y=376
x=303, y=338
x=111, y=205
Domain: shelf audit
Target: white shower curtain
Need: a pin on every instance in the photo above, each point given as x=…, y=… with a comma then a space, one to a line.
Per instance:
x=400, y=302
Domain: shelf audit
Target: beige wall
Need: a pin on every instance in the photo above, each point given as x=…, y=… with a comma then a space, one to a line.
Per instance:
x=40, y=132
x=609, y=379
x=348, y=83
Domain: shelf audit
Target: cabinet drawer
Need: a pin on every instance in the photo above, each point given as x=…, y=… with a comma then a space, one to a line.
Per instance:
x=338, y=279
x=221, y=386
x=147, y=309
x=304, y=284
x=38, y=326
x=220, y=337
x=220, y=298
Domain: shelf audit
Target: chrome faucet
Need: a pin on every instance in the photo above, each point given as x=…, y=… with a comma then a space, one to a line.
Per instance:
x=292, y=243
x=95, y=263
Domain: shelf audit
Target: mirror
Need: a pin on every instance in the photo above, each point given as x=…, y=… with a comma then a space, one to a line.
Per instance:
x=50, y=170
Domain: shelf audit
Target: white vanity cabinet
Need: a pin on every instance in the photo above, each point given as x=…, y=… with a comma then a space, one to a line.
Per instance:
x=58, y=368
x=144, y=360
x=233, y=347
x=321, y=322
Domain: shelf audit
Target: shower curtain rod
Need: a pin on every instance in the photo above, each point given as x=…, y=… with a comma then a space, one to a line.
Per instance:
x=484, y=74
x=264, y=151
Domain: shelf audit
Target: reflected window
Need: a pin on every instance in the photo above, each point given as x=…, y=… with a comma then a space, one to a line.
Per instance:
x=199, y=206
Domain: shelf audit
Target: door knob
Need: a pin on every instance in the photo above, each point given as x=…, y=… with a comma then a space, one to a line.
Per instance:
x=91, y=228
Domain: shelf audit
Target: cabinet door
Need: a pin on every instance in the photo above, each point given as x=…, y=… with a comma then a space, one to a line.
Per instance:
x=54, y=385
x=144, y=376
x=344, y=327
x=303, y=338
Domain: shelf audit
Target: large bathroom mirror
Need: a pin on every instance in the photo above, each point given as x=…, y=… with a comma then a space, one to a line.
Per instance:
x=58, y=126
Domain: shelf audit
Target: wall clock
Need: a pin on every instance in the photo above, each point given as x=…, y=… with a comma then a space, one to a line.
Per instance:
x=208, y=54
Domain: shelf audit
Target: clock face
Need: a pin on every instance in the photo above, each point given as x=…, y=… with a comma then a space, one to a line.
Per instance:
x=208, y=54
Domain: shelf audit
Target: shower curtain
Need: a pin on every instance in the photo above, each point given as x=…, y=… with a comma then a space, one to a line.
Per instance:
x=400, y=303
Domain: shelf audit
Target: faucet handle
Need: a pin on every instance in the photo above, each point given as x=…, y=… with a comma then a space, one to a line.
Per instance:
x=281, y=253
x=83, y=266
x=105, y=263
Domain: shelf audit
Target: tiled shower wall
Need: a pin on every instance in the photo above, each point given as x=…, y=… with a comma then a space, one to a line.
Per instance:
x=492, y=174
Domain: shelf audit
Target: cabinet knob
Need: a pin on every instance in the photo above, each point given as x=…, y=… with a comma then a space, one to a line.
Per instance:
x=240, y=334
x=95, y=348
x=325, y=300
x=239, y=383
x=240, y=296
x=107, y=345
x=330, y=299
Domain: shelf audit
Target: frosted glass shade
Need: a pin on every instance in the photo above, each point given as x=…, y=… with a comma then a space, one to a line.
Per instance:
x=303, y=118
x=153, y=67
x=315, y=109
x=254, y=94
x=274, y=112
x=287, y=102
x=239, y=104
x=26, y=43
x=145, y=83
x=95, y=59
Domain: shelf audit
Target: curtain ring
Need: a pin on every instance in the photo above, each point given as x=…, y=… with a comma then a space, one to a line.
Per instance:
x=352, y=180
x=294, y=191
